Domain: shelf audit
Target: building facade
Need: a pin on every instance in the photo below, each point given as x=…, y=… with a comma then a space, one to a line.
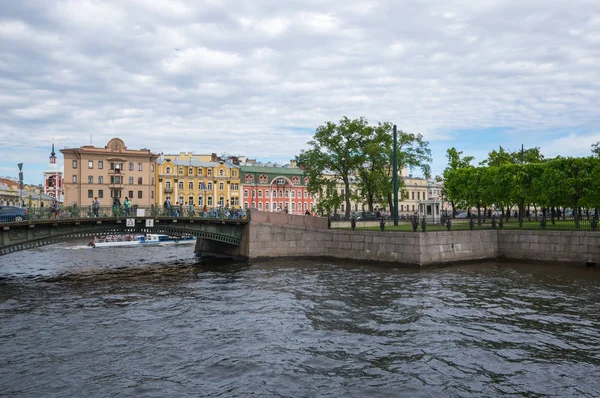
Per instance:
x=197, y=180
x=109, y=172
x=53, y=179
x=276, y=189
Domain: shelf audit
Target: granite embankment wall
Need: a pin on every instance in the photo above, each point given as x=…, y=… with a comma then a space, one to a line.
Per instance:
x=283, y=235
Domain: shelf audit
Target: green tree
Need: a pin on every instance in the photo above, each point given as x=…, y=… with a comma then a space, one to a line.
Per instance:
x=337, y=150
x=596, y=149
x=453, y=189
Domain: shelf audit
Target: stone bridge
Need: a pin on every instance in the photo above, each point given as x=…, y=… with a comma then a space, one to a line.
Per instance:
x=214, y=234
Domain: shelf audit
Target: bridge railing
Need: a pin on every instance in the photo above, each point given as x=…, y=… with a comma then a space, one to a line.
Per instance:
x=155, y=211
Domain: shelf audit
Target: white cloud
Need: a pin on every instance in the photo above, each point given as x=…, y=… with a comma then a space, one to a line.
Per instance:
x=235, y=76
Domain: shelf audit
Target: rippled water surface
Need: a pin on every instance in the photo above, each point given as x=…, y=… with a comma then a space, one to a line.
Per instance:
x=156, y=322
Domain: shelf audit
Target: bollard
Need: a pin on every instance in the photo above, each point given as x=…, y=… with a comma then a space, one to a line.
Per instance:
x=353, y=223
x=415, y=224
x=382, y=224
x=424, y=224
x=448, y=224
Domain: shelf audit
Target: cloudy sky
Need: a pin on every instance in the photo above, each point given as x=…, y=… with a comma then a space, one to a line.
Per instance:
x=257, y=77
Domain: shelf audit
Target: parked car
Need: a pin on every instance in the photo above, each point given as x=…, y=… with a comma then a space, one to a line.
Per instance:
x=365, y=215
x=12, y=214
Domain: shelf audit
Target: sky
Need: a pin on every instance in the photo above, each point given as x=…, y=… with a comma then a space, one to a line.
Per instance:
x=256, y=78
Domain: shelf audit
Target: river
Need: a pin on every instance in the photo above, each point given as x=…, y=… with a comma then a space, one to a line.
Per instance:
x=156, y=322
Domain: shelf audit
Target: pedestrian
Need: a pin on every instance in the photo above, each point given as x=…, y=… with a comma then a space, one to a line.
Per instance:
x=307, y=212
x=126, y=206
x=116, y=206
x=96, y=207
x=204, y=212
x=167, y=206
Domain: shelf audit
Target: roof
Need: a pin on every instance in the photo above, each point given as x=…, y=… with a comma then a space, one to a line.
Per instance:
x=272, y=170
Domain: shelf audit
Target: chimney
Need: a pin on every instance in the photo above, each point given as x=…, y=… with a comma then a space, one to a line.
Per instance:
x=293, y=163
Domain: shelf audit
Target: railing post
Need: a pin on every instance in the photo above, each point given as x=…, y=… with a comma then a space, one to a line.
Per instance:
x=328, y=222
x=471, y=223
x=353, y=223
x=382, y=224
x=415, y=224
x=501, y=223
x=494, y=222
x=594, y=224
x=543, y=223
x=448, y=224
x=424, y=224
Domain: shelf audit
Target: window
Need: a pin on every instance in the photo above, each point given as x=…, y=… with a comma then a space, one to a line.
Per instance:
x=413, y=207
x=234, y=187
x=191, y=200
x=267, y=192
x=190, y=171
x=221, y=172
x=181, y=170
x=287, y=194
x=245, y=193
x=153, y=181
x=293, y=206
x=200, y=201
x=260, y=193
x=235, y=201
x=90, y=193
x=75, y=164
x=115, y=179
x=180, y=184
x=413, y=196
x=168, y=185
x=100, y=180
x=299, y=194
x=234, y=173
x=280, y=193
x=280, y=181
x=199, y=171
x=140, y=181
x=90, y=179
x=112, y=165
x=418, y=195
x=221, y=200
x=209, y=185
x=200, y=185
x=267, y=206
x=191, y=185
x=254, y=194
x=209, y=172
x=210, y=201
x=293, y=194
x=100, y=193
x=221, y=186
x=100, y=164
x=140, y=195
x=152, y=168
x=168, y=170
x=152, y=194
x=130, y=195
x=130, y=166
x=90, y=164
x=260, y=206
x=274, y=194
x=140, y=167
x=131, y=180
x=75, y=179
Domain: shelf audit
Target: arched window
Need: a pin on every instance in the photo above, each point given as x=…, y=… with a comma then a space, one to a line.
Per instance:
x=221, y=172
x=168, y=170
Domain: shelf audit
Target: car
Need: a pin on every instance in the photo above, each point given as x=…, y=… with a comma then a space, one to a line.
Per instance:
x=366, y=215
x=12, y=214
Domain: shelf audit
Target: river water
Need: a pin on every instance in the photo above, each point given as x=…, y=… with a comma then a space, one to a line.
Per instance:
x=156, y=322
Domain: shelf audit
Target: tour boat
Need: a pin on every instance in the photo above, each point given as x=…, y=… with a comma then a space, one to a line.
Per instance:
x=132, y=240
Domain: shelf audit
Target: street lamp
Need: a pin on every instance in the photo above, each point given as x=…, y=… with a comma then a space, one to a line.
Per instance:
x=20, y=184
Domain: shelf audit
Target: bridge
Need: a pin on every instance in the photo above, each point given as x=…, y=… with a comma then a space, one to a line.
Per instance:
x=219, y=233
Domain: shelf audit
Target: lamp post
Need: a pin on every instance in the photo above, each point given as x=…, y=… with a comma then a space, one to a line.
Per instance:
x=20, y=184
x=395, y=171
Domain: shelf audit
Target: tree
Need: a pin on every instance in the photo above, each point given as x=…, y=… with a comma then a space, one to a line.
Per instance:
x=596, y=149
x=452, y=182
x=337, y=149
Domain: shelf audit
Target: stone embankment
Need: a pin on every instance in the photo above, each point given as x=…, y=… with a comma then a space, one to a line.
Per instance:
x=283, y=235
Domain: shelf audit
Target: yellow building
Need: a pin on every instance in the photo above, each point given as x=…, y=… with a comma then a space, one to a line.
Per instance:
x=197, y=180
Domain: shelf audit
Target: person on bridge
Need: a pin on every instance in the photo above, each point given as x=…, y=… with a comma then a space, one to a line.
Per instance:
x=95, y=207
x=127, y=205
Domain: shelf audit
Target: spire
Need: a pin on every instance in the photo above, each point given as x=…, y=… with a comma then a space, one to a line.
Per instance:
x=52, y=154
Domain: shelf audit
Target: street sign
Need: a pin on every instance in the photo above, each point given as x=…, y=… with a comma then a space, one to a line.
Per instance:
x=149, y=223
x=130, y=222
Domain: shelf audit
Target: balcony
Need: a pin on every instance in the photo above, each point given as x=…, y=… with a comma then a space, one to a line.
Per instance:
x=116, y=172
x=116, y=185
x=168, y=190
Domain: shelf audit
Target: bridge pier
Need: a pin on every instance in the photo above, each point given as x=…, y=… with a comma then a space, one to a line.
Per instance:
x=212, y=248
